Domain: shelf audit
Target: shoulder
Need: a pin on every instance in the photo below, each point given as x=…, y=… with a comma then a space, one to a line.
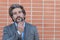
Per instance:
x=32, y=28
x=8, y=26
x=31, y=25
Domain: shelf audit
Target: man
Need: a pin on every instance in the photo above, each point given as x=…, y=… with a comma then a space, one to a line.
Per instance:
x=19, y=30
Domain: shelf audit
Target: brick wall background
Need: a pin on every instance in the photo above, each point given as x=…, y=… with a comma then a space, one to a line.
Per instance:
x=45, y=14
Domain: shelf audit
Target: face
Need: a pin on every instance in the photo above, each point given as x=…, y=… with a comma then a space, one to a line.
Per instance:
x=18, y=14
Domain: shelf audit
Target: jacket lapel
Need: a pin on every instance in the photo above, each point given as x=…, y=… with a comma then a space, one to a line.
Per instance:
x=26, y=31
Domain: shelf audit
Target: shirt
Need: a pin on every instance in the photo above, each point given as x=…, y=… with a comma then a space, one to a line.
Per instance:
x=19, y=31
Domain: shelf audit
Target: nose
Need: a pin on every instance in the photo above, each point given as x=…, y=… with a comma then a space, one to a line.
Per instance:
x=19, y=14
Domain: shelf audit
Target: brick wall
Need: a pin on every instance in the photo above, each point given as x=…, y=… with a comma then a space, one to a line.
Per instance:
x=45, y=14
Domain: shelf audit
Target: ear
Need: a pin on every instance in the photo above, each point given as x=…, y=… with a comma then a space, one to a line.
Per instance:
x=13, y=19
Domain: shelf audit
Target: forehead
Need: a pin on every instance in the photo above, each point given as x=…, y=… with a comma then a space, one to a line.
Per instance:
x=16, y=9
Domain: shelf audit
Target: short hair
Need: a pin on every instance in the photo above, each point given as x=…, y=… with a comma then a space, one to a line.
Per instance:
x=13, y=6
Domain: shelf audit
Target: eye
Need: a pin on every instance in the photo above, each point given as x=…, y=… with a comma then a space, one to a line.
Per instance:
x=20, y=11
x=14, y=13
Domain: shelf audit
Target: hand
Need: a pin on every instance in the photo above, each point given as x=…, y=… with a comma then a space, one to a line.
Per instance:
x=20, y=27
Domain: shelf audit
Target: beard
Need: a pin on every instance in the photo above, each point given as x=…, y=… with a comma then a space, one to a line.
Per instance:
x=19, y=19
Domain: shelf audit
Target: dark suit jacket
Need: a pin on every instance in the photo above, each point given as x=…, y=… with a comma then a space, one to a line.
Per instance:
x=10, y=32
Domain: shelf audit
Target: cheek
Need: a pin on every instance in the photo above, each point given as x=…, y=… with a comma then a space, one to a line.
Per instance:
x=21, y=14
x=14, y=16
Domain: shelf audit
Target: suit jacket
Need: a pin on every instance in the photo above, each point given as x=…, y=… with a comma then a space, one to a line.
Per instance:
x=10, y=32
